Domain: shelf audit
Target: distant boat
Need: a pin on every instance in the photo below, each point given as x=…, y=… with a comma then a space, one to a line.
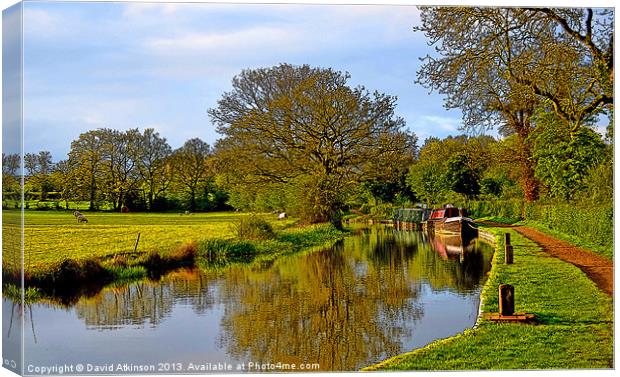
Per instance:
x=410, y=218
x=452, y=221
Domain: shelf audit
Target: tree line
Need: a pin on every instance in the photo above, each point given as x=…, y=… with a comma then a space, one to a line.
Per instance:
x=301, y=139
x=130, y=170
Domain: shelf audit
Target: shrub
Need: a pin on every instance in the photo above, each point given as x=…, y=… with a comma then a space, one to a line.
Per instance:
x=507, y=209
x=220, y=252
x=253, y=228
x=594, y=223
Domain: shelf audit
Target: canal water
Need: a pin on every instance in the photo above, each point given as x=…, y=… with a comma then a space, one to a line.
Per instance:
x=370, y=297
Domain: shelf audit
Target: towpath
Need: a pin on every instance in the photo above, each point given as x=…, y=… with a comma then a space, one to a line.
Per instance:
x=598, y=268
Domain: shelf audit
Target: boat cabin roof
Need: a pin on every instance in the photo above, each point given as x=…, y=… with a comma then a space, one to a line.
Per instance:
x=441, y=213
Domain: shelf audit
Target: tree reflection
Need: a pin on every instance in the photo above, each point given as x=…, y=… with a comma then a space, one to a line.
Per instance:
x=341, y=312
x=145, y=301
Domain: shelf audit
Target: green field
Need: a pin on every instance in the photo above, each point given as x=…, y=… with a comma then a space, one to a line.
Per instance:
x=51, y=236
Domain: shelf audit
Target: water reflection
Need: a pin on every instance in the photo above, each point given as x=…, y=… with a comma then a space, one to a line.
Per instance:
x=338, y=311
x=146, y=302
x=369, y=297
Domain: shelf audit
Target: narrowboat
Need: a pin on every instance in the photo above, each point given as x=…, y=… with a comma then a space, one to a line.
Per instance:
x=451, y=220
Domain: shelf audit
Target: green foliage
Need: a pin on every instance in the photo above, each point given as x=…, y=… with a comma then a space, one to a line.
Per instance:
x=13, y=292
x=587, y=223
x=253, y=227
x=591, y=223
x=599, y=184
x=491, y=187
x=427, y=182
x=508, y=209
x=123, y=273
x=462, y=177
x=564, y=158
x=220, y=252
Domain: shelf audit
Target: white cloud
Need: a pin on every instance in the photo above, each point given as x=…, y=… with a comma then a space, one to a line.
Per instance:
x=246, y=40
x=441, y=123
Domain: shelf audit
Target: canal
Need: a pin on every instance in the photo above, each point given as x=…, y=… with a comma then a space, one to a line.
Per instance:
x=372, y=296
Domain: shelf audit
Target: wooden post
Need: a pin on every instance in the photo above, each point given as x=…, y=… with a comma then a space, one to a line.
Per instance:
x=135, y=247
x=508, y=251
x=508, y=255
x=506, y=299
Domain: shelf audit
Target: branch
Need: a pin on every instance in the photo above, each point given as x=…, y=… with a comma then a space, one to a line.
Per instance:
x=585, y=39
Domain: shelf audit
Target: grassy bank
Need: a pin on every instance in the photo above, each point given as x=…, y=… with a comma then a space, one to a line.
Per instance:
x=574, y=321
x=64, y=257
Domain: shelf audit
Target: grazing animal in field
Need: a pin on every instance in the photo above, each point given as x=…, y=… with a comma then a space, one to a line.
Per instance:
x=81, y=218
x=282, y=216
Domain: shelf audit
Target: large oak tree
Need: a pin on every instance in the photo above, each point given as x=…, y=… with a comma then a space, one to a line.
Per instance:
x=306, y=129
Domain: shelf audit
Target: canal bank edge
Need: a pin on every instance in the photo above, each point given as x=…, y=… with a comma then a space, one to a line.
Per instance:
x=574, y=328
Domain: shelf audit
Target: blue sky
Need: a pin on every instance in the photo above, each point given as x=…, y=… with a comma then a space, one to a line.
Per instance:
x=162, y=65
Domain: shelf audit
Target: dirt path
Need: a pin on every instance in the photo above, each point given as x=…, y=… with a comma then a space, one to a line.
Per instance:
x=599, y=269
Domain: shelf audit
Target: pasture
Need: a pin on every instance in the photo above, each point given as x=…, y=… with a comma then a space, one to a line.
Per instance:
x=50, y=236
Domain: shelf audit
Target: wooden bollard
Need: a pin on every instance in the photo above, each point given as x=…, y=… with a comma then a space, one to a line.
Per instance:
x=506, y=299
x=508, y=255
x=508, y=251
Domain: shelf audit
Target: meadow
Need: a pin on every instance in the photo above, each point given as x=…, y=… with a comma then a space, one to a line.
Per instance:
x=51, y=236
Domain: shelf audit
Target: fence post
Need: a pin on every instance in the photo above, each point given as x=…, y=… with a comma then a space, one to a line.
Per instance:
x=135, y=247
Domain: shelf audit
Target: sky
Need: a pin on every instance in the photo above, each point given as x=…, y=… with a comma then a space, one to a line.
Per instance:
x=163, y=65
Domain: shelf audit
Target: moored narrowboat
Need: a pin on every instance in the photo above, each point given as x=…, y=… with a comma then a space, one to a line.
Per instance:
x=451, y=220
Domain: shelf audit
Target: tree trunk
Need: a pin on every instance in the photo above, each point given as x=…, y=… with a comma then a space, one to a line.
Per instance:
x=528, y=182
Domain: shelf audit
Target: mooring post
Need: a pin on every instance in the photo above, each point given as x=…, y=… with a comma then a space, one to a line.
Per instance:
x=135, y=247
x=508, y=250
x=508, y=255
x=506, y=299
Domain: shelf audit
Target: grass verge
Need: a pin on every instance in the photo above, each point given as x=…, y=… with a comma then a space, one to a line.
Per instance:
x=574, y=320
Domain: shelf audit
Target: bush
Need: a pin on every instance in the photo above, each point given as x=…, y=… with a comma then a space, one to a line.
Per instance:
x=589, y=223
x=593, y=224
x=506, y=209
x=254, y=228
x=218, y=252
